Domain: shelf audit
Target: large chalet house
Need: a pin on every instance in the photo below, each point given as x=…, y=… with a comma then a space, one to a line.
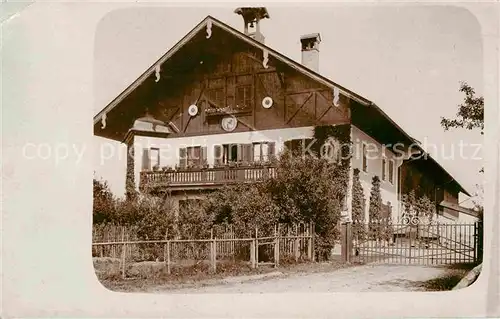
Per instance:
x=221, y=103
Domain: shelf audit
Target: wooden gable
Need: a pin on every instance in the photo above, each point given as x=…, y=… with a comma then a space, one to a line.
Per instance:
x=222, y=75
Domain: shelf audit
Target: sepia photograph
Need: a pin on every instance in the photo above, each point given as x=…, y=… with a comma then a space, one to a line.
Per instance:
x=255, y=157
x=258, y=160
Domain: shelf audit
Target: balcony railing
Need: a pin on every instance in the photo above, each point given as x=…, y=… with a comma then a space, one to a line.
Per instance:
x=205, y=176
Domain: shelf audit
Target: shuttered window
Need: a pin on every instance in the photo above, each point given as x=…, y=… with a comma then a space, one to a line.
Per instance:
x=300, y=146
x=247, y=150
x=263, y=151
x=182, y=157
x=155, y=157
x=391, y=171
x=272, y=150
x=146, y=160
x=193, y=156
x=383, y=169
x=365, y=162
x=244, y=153
x=218, y=156
x=150, y=158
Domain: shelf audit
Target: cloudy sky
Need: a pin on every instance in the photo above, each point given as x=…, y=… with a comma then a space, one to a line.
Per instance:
x=409, y=60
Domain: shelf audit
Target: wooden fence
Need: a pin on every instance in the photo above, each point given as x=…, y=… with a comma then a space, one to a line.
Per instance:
x=263, y=247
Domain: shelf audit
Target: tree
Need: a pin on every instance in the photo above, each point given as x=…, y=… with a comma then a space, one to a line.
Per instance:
x=310, y=189
x=358, y=206
x=470, y=113
x=375, y=209
x=103, y=210
x=470, y=116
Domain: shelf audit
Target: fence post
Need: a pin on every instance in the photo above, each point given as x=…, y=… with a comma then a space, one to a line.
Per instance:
x=297, y=243
x=313, y=255
x=256, y=248
x=166, y=256
x=124, y=249
x=309, y=242
x=346, y=241
x=252, y=253
x=213, y=253
x=276, y=246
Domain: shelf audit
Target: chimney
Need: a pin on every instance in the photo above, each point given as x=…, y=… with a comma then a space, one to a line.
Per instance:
x=251, y=18
x=310, y=51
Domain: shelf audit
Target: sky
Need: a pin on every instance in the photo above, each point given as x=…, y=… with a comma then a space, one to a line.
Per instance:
x=407, y=59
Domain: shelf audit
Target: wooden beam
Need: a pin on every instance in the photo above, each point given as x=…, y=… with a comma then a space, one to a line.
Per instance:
x=305, y=91
x=297, y=111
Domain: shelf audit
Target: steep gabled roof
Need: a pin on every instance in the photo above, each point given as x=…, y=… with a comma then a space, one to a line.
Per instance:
x=210, y=21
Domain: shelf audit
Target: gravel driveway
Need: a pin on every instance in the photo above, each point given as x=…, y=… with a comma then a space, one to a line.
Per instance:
x=352, y=279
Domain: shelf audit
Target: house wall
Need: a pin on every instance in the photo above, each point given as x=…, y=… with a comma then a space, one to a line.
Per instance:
x=460, y=218
x=376, y=151
x=169, y=147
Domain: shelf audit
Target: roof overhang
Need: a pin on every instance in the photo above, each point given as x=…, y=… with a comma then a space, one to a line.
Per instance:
x=459, y=209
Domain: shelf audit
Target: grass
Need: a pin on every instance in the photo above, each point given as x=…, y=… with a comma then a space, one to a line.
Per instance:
x=150, y=277
x=450, y=279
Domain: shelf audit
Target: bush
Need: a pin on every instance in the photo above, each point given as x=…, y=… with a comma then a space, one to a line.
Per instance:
x=422, y=207
x=358, y=207
x=103, y=210
x=194, y=221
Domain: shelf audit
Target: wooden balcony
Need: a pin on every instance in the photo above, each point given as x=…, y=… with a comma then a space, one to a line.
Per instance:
x=206, y=178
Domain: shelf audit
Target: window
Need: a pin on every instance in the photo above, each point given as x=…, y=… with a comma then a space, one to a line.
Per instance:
x=150, y=158
x=383, y=169
x=391, y=171
x=230, y=153
x=300, y=146
x=216, y=96
x=365, y=162
x=193, y=156
x=263, y=151
x=155, y=157
x=244, y=96
x=243, y=153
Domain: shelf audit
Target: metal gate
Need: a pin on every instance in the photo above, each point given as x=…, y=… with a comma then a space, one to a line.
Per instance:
x=415, y=242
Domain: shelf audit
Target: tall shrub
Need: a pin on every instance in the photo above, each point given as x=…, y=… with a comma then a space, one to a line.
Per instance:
x=103, y=210
x=375, y=208
x=358, y=206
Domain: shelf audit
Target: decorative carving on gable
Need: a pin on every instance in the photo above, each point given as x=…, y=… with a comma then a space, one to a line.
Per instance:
x=265, y=59
x=209, y=29
x=336, y=96
x=103, y=121
x=157, y=73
